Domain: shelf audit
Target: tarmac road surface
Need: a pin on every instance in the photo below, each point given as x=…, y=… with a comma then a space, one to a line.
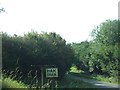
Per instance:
x=98, y=84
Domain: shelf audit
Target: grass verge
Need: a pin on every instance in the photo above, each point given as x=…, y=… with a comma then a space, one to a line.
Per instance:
x=74, y=71
x=66, y=82
x=9, y=83
x=97, y=77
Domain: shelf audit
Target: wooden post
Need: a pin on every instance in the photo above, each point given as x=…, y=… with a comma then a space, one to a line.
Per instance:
x=42, y=77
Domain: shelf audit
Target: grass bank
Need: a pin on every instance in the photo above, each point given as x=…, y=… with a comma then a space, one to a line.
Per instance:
x=79, y=73
x=66, y=82
x=9, y=83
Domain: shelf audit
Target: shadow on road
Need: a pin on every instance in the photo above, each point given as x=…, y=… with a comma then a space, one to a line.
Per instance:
x=98, y=84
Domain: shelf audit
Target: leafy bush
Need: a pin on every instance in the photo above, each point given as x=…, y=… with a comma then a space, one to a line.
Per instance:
x=36, y=49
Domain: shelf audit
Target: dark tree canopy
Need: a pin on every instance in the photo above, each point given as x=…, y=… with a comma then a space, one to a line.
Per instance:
x=36, y=49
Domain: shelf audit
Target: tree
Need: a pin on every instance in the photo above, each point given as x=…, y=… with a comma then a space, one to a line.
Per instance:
x=100, y=55
x=82, y=55
x=107, y=39
x=36, y=49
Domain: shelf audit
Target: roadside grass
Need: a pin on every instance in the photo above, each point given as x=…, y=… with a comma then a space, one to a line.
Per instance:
x=66, y=82
x=9, y=83
x=113, y=80
x=79, y=73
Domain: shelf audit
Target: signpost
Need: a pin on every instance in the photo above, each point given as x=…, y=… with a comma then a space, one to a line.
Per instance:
x=51, y=72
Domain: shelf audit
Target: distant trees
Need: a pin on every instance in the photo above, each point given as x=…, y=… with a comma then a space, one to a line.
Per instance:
x=101, y=55
x=36, y=49
x=81, y=51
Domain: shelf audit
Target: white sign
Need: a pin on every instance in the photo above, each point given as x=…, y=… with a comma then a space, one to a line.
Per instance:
x=51, y=72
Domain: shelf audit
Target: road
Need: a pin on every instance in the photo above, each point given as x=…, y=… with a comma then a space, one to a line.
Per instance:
x=98, y=84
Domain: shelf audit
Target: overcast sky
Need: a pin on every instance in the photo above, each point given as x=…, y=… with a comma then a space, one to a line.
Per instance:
x=72, y=19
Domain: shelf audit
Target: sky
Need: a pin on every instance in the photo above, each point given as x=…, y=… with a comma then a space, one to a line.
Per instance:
x=73, y=20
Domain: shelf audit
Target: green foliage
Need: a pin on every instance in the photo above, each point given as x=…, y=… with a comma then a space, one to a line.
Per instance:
x=66, y=82
x=105, y=47
x=74, y=69
x=9, y=83
x=96, y=77
x=36, y=49
x=108, y=32
x=100, y=55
